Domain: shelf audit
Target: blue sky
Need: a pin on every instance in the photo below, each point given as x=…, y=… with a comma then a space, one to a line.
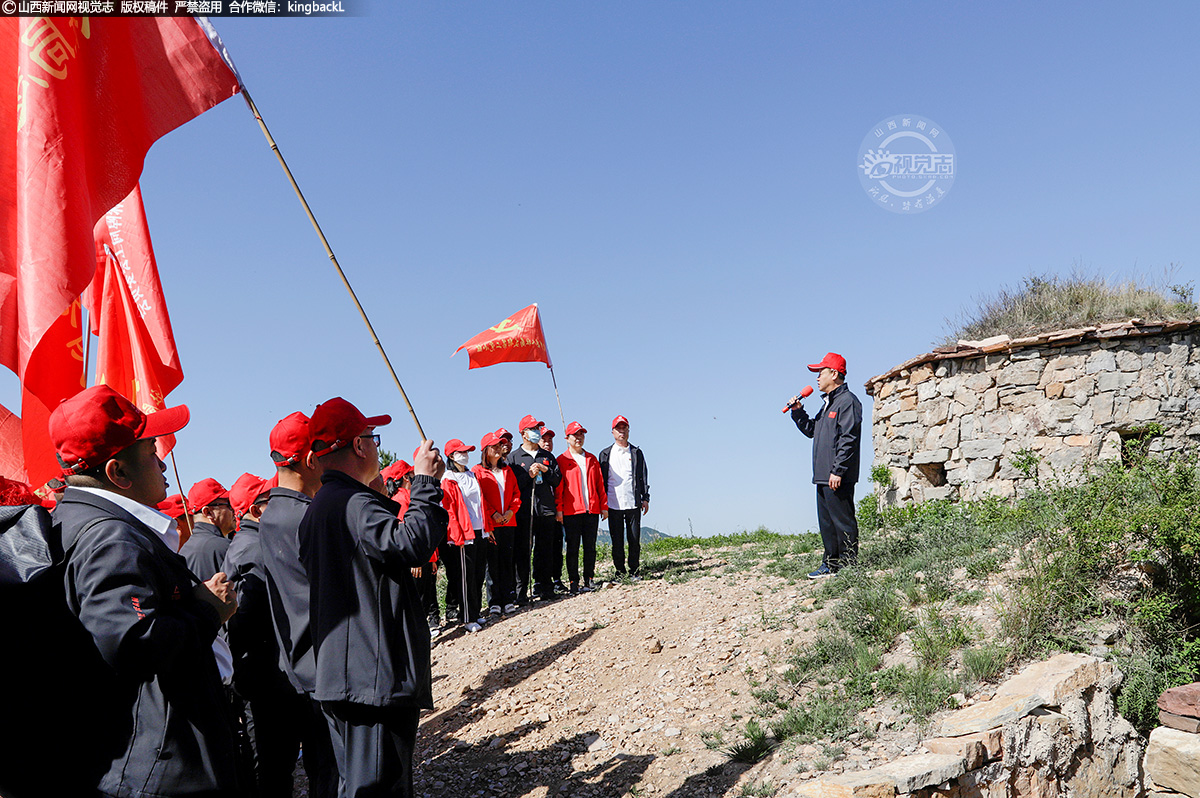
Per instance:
x=675, y=185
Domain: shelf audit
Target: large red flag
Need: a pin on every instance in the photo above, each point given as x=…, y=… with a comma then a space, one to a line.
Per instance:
x=136, y=356
x=517, y=339
x=85, y=99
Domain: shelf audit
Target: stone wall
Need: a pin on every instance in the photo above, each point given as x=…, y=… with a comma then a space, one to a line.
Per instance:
x=949, y=423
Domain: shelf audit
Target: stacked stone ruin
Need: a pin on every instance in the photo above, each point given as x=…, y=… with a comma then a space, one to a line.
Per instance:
x=958, y=422
x=1173, y=755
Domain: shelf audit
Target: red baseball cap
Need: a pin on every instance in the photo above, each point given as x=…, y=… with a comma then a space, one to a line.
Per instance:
x=204, y=493
x=336, y=423
x=291, y=439
x=97, y=423
x=547, y=432
x=575, y=427
x=490, y=439
x=503, y=433
x=246, y=489
x=173, y=506
x=455, y=445
x=619, y=420
x=831, y=361
x=397, y=470
x=529, y=422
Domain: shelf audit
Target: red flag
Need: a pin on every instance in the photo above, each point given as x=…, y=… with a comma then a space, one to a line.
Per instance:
x=12, y=459
x=137, y=356
x=91, y=95
x=517, y=339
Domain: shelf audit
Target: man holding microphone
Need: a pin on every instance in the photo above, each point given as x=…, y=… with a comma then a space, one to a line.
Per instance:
x=837, y=437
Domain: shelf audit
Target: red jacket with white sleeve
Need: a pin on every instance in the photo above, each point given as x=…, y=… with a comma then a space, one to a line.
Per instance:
x=460, y=530
x=569, y=493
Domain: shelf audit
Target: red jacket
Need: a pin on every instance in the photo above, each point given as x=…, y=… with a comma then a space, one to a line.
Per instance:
x=459, y=531
x=569, y=493
x=403, y=498
x=489, y=487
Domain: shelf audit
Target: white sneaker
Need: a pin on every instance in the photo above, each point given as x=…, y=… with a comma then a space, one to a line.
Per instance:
x=494, y=609
x=473, y=627
x=434, y=632
x=509, y=609
x=482, y=620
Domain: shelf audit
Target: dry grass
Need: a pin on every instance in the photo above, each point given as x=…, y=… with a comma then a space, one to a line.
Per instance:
x=1045, y=303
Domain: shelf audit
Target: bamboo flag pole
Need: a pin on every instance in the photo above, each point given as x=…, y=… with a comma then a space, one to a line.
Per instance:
x=559, y=398
x=329, y=252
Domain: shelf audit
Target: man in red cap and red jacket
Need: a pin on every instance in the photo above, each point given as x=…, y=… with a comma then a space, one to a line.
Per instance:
x=837, y=438
x=368, y=626
x=582, y=500
x=152, y=621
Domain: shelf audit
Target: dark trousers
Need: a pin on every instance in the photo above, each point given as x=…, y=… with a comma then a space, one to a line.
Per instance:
x=500, y=568
x=462, y=584
x=375, y=750
x=839, y=528
x=547, y=537
x=522, y=545
x=581, y=528
x=427, y=594
x=626, y=525
x=283, y=723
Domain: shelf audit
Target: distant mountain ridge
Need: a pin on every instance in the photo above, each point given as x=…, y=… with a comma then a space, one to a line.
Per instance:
x=648, y=533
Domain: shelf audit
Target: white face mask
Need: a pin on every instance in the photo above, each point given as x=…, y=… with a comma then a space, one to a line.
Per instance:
x=533, y=436
x=460, y=457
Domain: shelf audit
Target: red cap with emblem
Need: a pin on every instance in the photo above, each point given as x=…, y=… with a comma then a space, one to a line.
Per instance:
x=336, y=423
x=491, y=439
x=547, y=432
x=97, y=423
x=505, y=434
x=397, y=470
x=619, y=420
x=574, y=428
x=529, y=422
x=831, y=361
x=455, y=445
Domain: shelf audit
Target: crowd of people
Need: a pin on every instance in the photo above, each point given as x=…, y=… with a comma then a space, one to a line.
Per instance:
x=233, y=630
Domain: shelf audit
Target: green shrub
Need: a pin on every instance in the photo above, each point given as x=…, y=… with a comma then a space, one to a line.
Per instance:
x=871, y=610
x=984, y=662
x=936, y=637
x=754, y=745
x=824, y=716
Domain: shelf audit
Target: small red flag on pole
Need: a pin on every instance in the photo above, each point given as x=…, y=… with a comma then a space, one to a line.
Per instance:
x=517, y=339
x=136, y=356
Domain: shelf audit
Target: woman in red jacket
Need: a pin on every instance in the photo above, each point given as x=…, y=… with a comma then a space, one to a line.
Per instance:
x=468, y=530
x=582, y=501
x=501, y=500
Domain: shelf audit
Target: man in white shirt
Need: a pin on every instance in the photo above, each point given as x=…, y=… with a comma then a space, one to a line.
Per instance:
x=628, y=485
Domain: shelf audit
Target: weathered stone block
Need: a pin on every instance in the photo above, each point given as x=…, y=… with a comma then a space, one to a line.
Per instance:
x=908, y=402
x=934, y=456
x=1026, y=372
x=1102, y=408
x=904, y=417
x=927, y=390
x=969, y=747
x=1182, y=700
x=1128, y=361
x=1173, y=760
x=1144, y=409
x=1110, y=449
x=1030, y=782
x=980, y=470
x=1045, y=683
x=985, y=447
x=1055, y=390
x=1100, y=361
x=979, y=382
x=1114, y=380
x=1185, y=724
x=991, y=400
x=920, y=374
x=910, y=773
x=941, y=492
x=1079, y=440
x=887, y=409
x=849, y=785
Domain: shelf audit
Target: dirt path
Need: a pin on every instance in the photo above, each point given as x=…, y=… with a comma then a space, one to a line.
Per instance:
x=607, y=693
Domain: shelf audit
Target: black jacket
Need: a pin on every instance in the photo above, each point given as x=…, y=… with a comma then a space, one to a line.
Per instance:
x=543, y=502
x=836, y=434
x=252, y=640
x=641, y=477
x=134, y=596
x=368, y=621
x=205, y=550
x=287, y=585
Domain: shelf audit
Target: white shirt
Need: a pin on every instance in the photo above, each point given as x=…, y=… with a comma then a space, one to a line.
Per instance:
x=163, y=525
x=471, y=495
x=620, y=478
x=581, y=461
x=501, y=478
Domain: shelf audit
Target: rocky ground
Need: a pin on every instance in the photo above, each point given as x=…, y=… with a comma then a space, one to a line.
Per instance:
x=610, y=694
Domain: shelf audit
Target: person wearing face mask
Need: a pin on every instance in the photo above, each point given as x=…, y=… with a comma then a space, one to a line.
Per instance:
x=582, y=501
x=501, y=500
x=837, y=437
x=470, y=529
x=537, y=477
x=556, y=545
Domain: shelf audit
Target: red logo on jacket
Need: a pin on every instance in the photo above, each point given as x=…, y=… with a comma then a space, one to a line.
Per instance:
x=833, y=414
